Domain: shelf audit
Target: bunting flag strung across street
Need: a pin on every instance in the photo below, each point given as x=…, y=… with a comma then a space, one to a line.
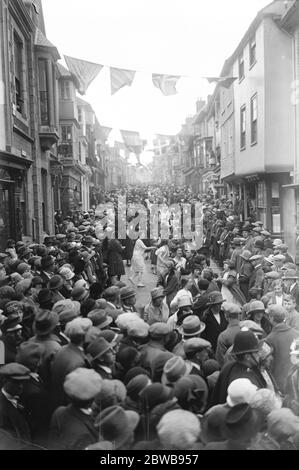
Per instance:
x=84, y=71
x=226, y=82
x=133, y=142
x=120, y=78
x=106, y=132
x=166, y=83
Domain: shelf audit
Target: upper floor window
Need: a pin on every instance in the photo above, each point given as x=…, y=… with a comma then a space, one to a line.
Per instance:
x=43, y=91
x=243, y=127
x=253, y=112
x=65, y=90
x=252, y=51
x=66, y=134
x=19, y=77
x=241, y=66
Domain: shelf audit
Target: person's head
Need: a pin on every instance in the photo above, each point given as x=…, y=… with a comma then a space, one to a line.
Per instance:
x=207, y=274
x=112, y=295
x=290, y=277
x=215, y=302
x=294, y=352
x=289, y=303
x=231, y=311
x=277, y=314
x=128, y=358
x=76, y=330
x=277, y=287
x=158, y=296
x=81, y=386
x=266, y=355
x=101, y=352
x=196, y=271
x=179, y=252
x=231, y=278
x=128, y=296
x=246, y=348
x=197, y=350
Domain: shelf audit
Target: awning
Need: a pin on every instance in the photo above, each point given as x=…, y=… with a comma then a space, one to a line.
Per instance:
x=290, y=186
x=189, y=172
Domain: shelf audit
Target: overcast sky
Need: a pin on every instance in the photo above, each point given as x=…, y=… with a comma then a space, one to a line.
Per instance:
x=180, y=37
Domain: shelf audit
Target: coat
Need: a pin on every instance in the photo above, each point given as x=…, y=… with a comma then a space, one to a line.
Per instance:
x=226, y=340
x=213, y=328
x=231, y=371
x=115, y=259
x=280, y=339
x=170, y=284
x=257, y=278
x=13, y=420
x=71, y=429
x=69, y=358
x=51, y=346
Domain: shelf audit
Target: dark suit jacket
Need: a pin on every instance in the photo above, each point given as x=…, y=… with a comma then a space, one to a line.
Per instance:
x=170, y=284
x=213, y=328
x=295, y=293
x=71, y=429
x=66, y=360
x=231, y=371
x=13, y=420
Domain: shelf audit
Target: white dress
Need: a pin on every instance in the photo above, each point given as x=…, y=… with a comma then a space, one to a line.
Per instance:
x=137, y=262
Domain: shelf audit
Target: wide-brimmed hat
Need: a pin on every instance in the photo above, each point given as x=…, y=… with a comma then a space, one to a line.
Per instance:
x=290, y=274
x=242, y=422
x=192, y=388
x=29, y=354
x=124, y=319
x=127, y=293
x=192, y=326
x=47, y=261
x=99, y=318
x=79, y=293
x=215, y=298
x=178, y=429
x=245, y=342
x=174, y=369
x=184, y=301
x=45, y=322
x=67, y=273
x=116, y=424
x=256, y=306
x=212, y=424
x=98, y=348
x=82, y=384
x=246, y=254
x=12, y=323
x=240, y=391
x=56, y=282
x=23, y=287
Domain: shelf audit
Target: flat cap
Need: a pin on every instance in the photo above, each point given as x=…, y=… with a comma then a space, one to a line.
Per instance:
x=15, y=371
x=126, y=293
x=158, y=330
x=255, y=258
x=195, y=344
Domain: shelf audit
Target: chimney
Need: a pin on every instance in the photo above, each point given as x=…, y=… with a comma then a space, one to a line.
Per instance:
x=200, y=103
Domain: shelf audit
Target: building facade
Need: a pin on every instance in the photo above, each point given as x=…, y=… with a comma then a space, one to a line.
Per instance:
x=28, y=122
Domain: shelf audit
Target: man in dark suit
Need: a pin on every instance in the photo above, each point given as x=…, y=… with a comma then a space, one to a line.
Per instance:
x=72, y=426
x=290, y=283
x=12, y=416
x=48, y=267
x=214, y=319
x=257, y=277
x=69, y=358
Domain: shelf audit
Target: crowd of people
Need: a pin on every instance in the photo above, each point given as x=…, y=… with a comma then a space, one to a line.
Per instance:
x=209, y=362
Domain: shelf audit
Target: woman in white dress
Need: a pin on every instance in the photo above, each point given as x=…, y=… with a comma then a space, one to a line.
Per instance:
x=138, y=263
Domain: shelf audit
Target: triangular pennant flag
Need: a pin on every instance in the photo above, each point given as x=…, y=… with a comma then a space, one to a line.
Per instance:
x=84, y=71
x=166, y=83
x=106, y=132
x=223, y=81
x=120, y=78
